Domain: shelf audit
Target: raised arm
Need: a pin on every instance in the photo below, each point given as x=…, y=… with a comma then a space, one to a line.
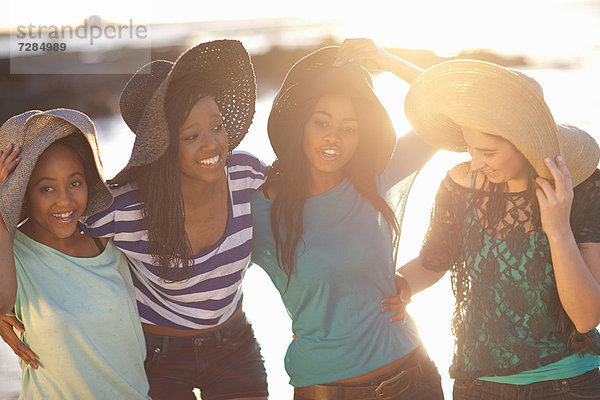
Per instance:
x=8, y=277
x=375, y=57
x=410, y=155
x=9, y=158
x=576, y=266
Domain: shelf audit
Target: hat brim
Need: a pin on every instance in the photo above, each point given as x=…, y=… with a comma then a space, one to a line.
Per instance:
x=580, y=152
x=36, y=133
x=224, y=67
x=483, y=96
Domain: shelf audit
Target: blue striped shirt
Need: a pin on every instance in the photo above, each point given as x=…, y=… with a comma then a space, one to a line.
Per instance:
x=212, y=293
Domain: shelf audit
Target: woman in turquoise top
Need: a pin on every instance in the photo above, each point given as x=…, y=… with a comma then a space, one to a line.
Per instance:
x=519, y=229
x=334, y=198
x=72, y=294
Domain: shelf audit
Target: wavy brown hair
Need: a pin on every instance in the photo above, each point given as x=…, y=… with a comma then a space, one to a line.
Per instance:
x=288, y=177
x=159, y=185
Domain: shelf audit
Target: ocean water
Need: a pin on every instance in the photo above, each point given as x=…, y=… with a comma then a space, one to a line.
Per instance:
x=569, y=73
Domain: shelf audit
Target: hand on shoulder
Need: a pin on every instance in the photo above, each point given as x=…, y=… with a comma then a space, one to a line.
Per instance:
x=268, y=190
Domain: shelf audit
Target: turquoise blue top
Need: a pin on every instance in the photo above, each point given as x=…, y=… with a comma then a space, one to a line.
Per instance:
x=81, y=321
x=343, y=268
x=568, y=367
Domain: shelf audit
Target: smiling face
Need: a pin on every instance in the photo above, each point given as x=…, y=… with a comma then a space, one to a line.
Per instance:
x=203, y=143
x=498, y=159
x=56, y=195
x=330, y=138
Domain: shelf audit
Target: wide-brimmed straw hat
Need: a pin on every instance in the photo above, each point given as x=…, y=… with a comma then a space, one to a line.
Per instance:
x=35, y=131
x=313, y=76
x=580, y=152
x=222, y=66
x=495, y=100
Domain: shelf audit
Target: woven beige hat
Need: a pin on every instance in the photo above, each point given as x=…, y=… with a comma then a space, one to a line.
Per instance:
x=222, y=66
x=35, y=131
x=487, y=97
x=580, y=152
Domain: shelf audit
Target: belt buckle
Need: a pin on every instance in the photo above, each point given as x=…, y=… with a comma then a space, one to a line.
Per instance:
x=199, y=340
x=380, y=389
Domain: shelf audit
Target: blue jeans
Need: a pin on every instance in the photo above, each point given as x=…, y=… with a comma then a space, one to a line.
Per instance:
x=223, y=364
x=426, y=386
x=584, y=386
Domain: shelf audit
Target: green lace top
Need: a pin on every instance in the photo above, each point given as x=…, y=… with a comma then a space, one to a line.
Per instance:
x=508, y=316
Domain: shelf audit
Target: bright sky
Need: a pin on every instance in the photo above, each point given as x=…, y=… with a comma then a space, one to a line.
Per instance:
x=440, y=25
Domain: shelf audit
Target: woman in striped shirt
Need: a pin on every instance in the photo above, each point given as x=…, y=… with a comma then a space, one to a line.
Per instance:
x=183, y=221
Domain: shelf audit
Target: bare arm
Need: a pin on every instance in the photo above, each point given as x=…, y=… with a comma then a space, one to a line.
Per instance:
x=576, y=267
x=410, y=155
x=418, y=277
x=8, y=278
x=375, y=57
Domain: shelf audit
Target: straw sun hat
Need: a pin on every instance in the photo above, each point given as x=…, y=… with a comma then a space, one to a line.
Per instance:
x=35, y=131
x=224, y=69
x=498, y=101
x=313, y=76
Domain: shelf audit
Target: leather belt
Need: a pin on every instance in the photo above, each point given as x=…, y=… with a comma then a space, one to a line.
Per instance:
x=385, y=389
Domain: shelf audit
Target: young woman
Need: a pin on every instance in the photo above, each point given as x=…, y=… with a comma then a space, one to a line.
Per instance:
x=181, y=216
x=519, y=229
x=326, y=229
x=72, y=294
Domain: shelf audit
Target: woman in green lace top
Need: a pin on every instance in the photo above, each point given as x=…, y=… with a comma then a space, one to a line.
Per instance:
x=519, y=229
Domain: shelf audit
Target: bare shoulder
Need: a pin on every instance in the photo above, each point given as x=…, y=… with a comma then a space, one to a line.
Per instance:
x=462, y=174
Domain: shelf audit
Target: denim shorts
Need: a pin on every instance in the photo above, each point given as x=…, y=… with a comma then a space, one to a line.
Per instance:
x=223, y=364
x=584, y=386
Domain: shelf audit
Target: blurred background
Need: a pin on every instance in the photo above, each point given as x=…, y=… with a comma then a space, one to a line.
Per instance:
x=555, y=41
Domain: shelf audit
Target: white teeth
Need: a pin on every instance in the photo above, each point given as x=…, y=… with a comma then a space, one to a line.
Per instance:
x=210, y=161
x=63, y=215
x=330, y=153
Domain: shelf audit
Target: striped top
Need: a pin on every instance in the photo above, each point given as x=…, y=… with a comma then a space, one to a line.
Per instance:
x=212, y=293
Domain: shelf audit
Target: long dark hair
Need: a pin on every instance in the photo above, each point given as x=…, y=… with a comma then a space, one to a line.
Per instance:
x=289, y=177
x=159, y=186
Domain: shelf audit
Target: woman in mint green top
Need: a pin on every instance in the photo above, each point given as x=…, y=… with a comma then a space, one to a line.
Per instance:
x=72, y=294
x=334, y=198
x=519, y=229
x=90, y=356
